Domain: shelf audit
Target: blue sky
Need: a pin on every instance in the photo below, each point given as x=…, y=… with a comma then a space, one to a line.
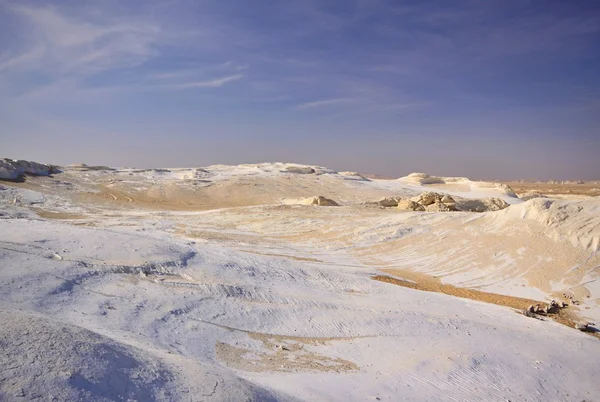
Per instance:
x=486, y=89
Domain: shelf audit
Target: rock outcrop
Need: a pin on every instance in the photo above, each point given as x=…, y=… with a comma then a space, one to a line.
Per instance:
x=435, y=202
x=482, y=205
x=388, y=202
x=428, y=198
x=431, y=202
x=320, y=201
x=353, y=176
x=409, y=205
x=531, y=195
x=437, y=207
x=299, y=169
x=15, y=169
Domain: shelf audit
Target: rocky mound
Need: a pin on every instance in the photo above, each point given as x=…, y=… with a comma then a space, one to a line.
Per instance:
x=483, y=205
x=435, y=202
x=429, y=201
x=388, y=202
x=320, y=201
x=409, y=205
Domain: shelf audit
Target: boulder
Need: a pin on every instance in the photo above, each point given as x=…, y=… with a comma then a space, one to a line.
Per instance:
x=437, y=207
x=446, y=199
x=451, y=207
x=409, y=205
x=484, y=205
x=584, y=326
x=449, y=202
x=428, y=198
x=388, y=202
x=320, y=201
x=528, y=312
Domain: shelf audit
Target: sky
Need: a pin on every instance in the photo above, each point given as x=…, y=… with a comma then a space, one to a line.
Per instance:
x=497, y=89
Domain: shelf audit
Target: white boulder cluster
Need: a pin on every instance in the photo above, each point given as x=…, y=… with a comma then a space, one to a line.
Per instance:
x=11, y=169
x=430, y=201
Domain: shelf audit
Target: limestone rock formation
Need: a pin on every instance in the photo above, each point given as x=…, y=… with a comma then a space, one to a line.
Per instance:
x=435, y=202
x=437, y=207
x=483, y=205
x=320, y=201
x=15, y=169
x=409, y=205
x=428, y=198
x=299, y=169
x=532, y=194
x=446, y=199
x=388, y=202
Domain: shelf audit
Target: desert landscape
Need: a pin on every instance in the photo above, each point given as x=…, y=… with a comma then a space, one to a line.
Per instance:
x=320, y=201
x=285, y=282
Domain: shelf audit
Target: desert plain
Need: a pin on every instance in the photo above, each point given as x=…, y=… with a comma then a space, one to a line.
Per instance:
x=288, y=282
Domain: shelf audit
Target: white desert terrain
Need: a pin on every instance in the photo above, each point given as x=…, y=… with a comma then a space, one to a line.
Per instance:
x=285, y=282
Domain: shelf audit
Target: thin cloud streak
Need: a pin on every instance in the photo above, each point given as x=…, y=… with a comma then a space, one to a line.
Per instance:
x=218, y=82
x=403, y=106
x=326, y=103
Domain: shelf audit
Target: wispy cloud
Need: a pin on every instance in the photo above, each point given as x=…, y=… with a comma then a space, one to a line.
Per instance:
x=62, y=45
x=30, y=56
x=402, y=106
x=215, y=83
x=199, y=70
x=325, y=103
x=271, y=99
x=389, y=69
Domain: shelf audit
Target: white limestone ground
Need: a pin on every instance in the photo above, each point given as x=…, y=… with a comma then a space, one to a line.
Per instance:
x=262, y=301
